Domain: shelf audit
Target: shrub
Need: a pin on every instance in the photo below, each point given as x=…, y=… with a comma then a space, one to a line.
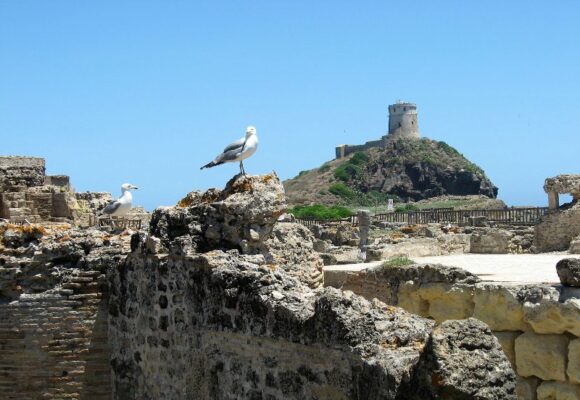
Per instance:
x=406, y=208
x=320, y=211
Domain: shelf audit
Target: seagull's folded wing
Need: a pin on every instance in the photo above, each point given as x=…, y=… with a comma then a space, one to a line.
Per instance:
x=112, y=207
x=238, y=144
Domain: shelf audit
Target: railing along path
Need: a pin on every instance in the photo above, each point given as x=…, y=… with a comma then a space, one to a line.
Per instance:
x=509, y=216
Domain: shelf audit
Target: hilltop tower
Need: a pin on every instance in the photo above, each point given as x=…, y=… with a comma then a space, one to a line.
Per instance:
x=403, y=121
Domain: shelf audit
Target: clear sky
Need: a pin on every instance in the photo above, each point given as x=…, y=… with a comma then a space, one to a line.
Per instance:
x=148, y=91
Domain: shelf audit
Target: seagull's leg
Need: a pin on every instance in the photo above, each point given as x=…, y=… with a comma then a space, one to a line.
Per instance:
x=242, y=170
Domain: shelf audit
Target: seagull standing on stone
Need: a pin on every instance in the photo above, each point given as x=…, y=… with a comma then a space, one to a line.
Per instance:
x=123, y=204
x=238, y=150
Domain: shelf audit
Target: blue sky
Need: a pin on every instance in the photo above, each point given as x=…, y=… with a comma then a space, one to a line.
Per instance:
x=148, y=91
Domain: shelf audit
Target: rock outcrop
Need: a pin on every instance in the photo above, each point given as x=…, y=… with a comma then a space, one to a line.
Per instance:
x=291, y=248
x=568, y=271
x=464, y=362
x=406, y=168
x=241, y=216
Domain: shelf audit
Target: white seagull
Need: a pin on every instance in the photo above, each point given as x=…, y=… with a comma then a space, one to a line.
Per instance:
x=123, y=204
x=238, y=150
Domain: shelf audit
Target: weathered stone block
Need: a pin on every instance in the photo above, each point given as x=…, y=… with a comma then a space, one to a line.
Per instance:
x=558, y=391
x=493, y=241
x=499, y=307
x=526, y=388
x=507, y=342
x=457, y=371
x=574, y=361
x=557, y=229
x=543, y=356
x=448, y=301
x=410, y=300
x=552, y=316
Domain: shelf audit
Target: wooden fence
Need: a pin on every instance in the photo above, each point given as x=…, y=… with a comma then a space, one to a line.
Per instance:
x=508, y=216
x=118, y=223
x=353, y=220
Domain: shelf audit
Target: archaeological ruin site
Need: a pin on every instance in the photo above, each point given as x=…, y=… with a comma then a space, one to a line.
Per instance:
x=226, y=296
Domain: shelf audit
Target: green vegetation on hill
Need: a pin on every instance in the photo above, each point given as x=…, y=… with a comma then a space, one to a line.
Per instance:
x=356, y=198
x=407, y=169
x=431, y=153
x=353, y=168
x=320, y=211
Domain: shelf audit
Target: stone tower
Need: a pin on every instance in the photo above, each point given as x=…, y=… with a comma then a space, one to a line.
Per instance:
x=403, y=121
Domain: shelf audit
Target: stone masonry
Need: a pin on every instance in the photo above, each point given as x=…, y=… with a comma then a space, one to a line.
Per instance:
x=560, y=227
x=403, y=123
x=54, y=340
x=28, y=194
x=538, y=326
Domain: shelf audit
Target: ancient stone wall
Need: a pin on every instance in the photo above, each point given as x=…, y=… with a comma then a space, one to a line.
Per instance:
x=21, y=171
x=557, y=229
x=54, y=312
x=537, y=326
x=347, y=149
x=55, y=344
x=221, y=325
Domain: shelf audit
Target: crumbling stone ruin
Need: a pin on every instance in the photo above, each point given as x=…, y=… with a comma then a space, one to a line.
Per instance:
x=538, y=326
x=53, y=311
x=210, y=304
x=28, y=195
x=212, y=313
x=560, y=229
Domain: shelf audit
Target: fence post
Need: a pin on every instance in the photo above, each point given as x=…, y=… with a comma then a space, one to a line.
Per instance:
x=364, y=223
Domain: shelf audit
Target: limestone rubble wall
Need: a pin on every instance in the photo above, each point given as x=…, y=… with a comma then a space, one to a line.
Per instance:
x=178, y=333
x=538, y=326
x=217, y=326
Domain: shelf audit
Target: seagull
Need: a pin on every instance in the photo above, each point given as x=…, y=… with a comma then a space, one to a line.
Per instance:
x=238, y=150
x=123, y=204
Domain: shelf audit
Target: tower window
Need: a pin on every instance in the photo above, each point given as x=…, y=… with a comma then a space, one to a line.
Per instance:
x=399, y=124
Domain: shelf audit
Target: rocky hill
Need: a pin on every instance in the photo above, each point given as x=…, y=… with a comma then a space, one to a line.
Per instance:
x=406, y=170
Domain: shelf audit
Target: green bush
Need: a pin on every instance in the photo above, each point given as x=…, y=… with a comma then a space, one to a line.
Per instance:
x=320, y=211
x=323, y=168
x=406, y=208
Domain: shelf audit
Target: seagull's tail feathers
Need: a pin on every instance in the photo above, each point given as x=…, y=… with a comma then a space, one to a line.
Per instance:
x=212, y=164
